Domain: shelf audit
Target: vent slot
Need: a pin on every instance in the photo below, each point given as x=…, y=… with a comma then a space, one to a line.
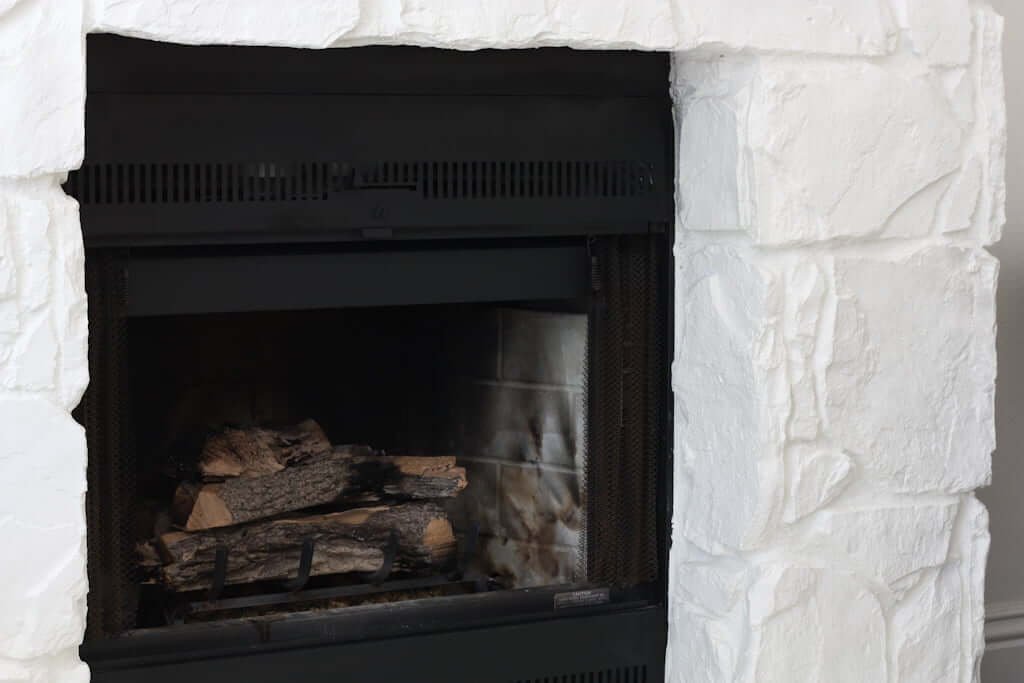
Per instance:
x=537, y=179
x=626, y=674
x=315, y=181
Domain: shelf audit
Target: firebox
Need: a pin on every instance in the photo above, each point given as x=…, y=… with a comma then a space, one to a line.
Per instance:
x=379, y=363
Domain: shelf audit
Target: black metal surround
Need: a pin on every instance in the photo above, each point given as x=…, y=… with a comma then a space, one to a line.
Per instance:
x=205, y=145
x=622, y=646
x=213, y=175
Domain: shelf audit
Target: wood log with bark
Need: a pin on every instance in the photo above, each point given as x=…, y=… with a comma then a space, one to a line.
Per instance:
x=344, y=542
x=342, y=475
x=259, y=451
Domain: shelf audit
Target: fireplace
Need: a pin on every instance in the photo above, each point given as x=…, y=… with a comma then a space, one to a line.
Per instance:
x=378, y=363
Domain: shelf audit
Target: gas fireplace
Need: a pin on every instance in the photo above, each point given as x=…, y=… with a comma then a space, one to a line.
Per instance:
x=379, y=365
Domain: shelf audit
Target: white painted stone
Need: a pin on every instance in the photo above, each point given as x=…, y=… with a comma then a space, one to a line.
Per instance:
x=461, y=24
x=42, y=87
x=817, y=477
x=965, y=195
x=29, y=215
x=709, y=627
x=926, y=625
x=512, y=23
x=830, y=27
x=70, y=317
x=815, y=625
x=33, y=364
x=976, y=202
x=728, y=374
x=817, y=129
x=891, y=543
x=864, y=27
x=805, y=150
x=989, y=144
x=939, y=30
x=713, y=585
x=297, y=23
x=970, y=546
x=44, y=316
x=703, y=648
x=63, y=667
x=910, y=385
x=42, y=489
x=713, y=187
x=805, y=301
x=8, y=257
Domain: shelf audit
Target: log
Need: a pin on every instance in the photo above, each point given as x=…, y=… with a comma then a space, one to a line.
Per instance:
x=338, y=476
x=258, y=451
x=344, y=542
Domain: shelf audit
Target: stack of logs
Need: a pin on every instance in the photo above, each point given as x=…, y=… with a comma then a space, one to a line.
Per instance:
x=261, y=493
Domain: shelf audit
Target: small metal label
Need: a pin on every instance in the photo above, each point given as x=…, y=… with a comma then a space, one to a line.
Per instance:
x=583, y=598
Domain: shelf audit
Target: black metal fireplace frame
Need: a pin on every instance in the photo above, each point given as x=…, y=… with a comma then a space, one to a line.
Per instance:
x=170, y=230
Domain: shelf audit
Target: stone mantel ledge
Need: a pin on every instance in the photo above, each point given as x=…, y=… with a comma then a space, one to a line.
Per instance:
x=840, y=171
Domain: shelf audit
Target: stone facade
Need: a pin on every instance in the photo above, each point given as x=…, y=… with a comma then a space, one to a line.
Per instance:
x=840, y=168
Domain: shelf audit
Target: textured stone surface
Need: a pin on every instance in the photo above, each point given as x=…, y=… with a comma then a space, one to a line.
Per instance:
x=300, y=23
x=806, y=142
x=816, y=478
x=920, y=328
x=462, y=24
x=42, y=488
x=927, y=624
x=42, y=86
x=832, y=406
x=793, y=605
x=975, y=204
x=989, y=135
x=888, y=544
x=727, y=441
x=43, y=322
x=840, y=166
x=829, y=27
x=939, y=30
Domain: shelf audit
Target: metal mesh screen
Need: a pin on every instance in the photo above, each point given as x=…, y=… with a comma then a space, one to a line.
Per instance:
x=113, y=590
x=626, y=410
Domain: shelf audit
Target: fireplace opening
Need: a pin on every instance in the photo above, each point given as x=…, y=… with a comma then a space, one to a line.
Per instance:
x=341, y=405
x=458, y=428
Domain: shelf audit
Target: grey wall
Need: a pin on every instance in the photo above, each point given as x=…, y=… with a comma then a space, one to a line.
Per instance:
x=1004, y=659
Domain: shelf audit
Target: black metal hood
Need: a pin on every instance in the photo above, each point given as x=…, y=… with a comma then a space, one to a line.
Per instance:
x=220, y=145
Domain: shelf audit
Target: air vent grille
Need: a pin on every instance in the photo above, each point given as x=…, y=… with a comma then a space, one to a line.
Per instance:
x=628, y=674
x=309, y=181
